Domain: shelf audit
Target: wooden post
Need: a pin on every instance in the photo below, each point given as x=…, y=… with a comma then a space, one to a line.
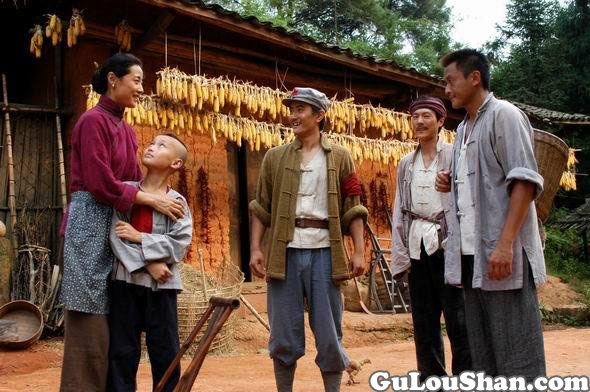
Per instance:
x=11, y=194
x=60, y=155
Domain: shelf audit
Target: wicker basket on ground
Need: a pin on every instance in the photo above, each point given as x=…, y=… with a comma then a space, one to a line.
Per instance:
x=551, y=153
x=192, y=303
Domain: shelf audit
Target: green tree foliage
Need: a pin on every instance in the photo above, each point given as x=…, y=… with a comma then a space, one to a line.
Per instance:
x=543, y=58
x=548, y=60
x=412, y=32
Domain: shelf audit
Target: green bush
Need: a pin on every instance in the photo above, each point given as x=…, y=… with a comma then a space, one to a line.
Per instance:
x=564, y=255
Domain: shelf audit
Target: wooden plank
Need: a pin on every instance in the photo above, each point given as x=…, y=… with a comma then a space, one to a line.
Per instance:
x=21, y=108
x=156, y=29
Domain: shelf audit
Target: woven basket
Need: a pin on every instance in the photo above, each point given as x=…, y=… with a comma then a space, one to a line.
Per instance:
x=192, y=303
x=551, y=153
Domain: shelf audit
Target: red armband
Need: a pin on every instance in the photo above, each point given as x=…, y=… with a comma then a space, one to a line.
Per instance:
x=350, y=186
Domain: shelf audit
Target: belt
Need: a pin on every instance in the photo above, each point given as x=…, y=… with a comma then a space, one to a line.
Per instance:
x=304, y=223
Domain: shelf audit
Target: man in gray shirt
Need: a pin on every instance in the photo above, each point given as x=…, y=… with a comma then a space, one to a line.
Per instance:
x=493, y=226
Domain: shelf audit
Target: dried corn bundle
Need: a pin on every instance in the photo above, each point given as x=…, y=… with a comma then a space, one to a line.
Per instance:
x=242, y=99
x=123, y=35
x=54, y=29
x=447, y=136
x=568, y=178
x=181, y=118
x=221, y=95
x=571, y=159
x=36, y=41
x=347, y=117
x=75, y=28
x=568, y=181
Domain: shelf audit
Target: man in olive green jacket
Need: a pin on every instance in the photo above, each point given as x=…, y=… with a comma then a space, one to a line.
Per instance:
x=308, y=194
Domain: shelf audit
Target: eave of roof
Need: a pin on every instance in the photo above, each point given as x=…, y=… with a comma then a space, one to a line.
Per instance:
x=280, y=36
x=553, y=116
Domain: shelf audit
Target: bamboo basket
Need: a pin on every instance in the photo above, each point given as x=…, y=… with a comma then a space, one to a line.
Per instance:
x=193, y=301
x=551, y=153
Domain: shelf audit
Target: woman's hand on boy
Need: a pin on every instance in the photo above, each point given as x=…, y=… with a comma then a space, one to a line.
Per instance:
x=159, y=271
x=168, y=206
x=127, y=232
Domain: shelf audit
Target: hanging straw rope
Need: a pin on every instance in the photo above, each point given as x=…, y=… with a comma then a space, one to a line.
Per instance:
x=11, y=192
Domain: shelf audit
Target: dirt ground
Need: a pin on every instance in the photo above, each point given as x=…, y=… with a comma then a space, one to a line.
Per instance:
x=384, y=339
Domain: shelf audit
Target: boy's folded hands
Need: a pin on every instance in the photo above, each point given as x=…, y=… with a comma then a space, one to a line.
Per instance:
x=127, y=232
x=159, y=271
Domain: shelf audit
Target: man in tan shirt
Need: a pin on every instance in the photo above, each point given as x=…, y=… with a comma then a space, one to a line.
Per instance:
x=419, y=224
x=308, y=195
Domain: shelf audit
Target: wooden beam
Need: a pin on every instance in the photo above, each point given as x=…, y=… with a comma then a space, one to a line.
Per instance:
x=17, y=107
x=156, y=29
x=266, y=34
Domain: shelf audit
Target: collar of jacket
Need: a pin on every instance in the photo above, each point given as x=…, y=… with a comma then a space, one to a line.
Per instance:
x=483, y=107
x=439, y=145
x=324, y=143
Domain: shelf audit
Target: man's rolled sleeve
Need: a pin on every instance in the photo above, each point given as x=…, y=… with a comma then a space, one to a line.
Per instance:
x=514, y=147
x=354, y=212
x=351, y=200
x=526, y=174
x=261, y=205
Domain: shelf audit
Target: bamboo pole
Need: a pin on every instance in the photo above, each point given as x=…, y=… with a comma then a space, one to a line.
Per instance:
x=60, y=156
x=254, y=312
x=202, y=262
x=11, y=194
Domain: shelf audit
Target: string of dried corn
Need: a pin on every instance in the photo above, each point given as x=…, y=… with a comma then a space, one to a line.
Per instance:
x=151, y=112
x=568, y=179
x=242, y=99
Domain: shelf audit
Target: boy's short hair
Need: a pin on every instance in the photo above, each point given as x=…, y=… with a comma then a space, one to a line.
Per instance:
x=173, y=136
x=469, y=60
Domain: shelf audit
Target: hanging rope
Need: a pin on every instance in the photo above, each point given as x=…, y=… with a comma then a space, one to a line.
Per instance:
x=166, y=48
x=278, y=78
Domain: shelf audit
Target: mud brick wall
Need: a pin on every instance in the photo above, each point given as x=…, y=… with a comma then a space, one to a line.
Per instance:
x=378, y=183
x=210, y=225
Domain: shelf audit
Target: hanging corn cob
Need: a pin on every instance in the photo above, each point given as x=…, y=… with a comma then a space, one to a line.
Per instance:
x=447, y=136
x=54, y=29
x=123, y=36
x=36, y=41
x=75, y=28
x=568, y=181
x=568, y=178
x=241, y=99
x=181, y=118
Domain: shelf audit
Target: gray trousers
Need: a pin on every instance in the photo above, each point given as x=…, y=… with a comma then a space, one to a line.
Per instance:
x=309, y=275
x=504, y=327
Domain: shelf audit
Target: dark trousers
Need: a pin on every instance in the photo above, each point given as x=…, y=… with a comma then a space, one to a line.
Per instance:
x=429, y=297
x=504, y=327
x=86, y=347
x=135, y=309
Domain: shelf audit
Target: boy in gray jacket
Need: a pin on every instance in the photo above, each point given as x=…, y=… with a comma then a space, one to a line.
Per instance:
x=148, y=246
